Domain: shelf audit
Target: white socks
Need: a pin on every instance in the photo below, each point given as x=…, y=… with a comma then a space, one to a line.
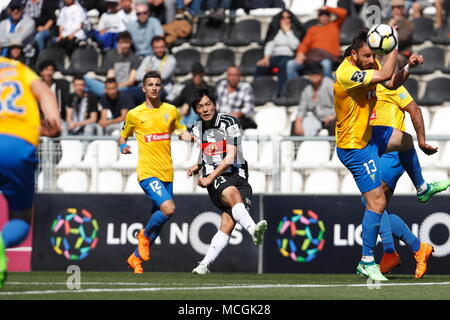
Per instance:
x=218, y=243
x=241, y=216
x=422, y=189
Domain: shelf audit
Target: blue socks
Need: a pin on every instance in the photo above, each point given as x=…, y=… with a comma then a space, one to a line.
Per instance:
x=386, y=233
x=153, y=227
x=410, y=162
x=370, y=228
x=14, y=232
x=400, y=230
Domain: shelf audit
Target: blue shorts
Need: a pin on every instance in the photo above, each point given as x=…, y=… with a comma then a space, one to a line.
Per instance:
x=364, y=164
x=157, y=190
x=391, y=169
x=18, y=161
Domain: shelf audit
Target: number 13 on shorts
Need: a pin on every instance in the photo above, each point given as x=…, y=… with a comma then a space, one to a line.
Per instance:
x=370, y=167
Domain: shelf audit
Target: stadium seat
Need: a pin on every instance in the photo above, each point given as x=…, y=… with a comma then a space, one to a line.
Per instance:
x=436, y=92
x=287, y=152
x=434, y=59
x=266, y=161
x=312, y=154
x=180, y=153
x=109, y=181
x=349, y=29
x=335, y=163
x=442, y=36
x=427, y=161
x=218, y=61
x=103, y=153
x=249, y=60
x=349, y=185
x=209, y=32
x=305, y=7
x=244, y=32
x=250, y=151
x=181, y=182
x=439, y=125
x=72, y=181
x=271, y=120
x=292, y=89
x=57, y=55
x=412, y=85
x=291, y=182
x=83, y=60
x=426, y=121
x=198, y=189
x=185, y=59
x=322, y=182
x=132, y=184
x=72, y=153
x=40, y=181
x=444, y=161
x=128, y=161
x=405, y=186
x=423, y=30
x=264, y=89
x=257, y=180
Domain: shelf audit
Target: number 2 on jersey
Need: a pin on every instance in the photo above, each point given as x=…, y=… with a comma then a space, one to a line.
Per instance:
x=10, y=92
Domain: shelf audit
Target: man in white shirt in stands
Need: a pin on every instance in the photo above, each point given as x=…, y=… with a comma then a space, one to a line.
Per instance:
x=71, y=23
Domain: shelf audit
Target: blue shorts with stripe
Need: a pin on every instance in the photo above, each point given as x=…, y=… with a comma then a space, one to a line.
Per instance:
x=364, y=164
x=157, y=190
x=18, y=162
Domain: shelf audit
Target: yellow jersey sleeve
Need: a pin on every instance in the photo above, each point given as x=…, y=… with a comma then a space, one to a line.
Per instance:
x=129, y=126
x=351, y=77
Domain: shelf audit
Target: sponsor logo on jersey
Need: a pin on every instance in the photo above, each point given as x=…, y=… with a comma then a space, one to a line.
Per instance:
x=157, y=137
x=214, y=148
x=373, y=116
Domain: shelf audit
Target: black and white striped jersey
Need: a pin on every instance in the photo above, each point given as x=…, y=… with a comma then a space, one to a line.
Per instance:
x=213, y=141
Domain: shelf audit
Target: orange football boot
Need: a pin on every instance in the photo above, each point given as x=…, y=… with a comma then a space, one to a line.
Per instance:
x=389, y=262
x=421, y=257
x=143, y=246
x=135, y=264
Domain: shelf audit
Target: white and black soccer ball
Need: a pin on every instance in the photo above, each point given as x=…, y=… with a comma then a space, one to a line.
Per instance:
x=382, y=38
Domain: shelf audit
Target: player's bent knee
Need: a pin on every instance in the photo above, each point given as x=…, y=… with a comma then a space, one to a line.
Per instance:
x=168, y=209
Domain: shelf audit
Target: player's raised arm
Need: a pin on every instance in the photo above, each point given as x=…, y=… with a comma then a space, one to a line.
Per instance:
x=417, y=119
x=51, y=124
x=387, y=70
x=399, y=77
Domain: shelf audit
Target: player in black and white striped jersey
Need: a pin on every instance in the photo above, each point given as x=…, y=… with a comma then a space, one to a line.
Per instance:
x=224, y=173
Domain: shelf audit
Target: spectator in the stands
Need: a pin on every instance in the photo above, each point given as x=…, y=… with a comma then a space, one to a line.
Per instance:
x=181, y=27
x=143, y=29
x=109, y=26
x=163, y=10
x=191, y=6
x=82, y=111
x=120, y=63
x=405, y=30
x=217, y=8
x=43, y=13
x=280, y=47
x=17, y=26
x=115, y=106
x=418, y=6
x=126, y=13
x=321, y=43
x=60, y=87
x=359, y=8
x=160, y=61
x=182, y=101
x=235, y=97
x=71, y=22
x=316, y=108
x=15, y=51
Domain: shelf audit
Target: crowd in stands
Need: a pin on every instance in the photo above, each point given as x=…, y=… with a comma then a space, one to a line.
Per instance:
x=136, y=36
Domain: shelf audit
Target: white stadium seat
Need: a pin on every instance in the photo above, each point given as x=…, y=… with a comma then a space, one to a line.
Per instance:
x=426, y=121
x=128, y=161
x=181, y=182
x=308, y=8
x=72, y=181
x=72, y=153
x=108, y=181
x=104, y=153
x=335, y=163
x=257, y=180
x=349, y=185
x=250, y=151
x=181, y=151
x=439, y=125
x=405, y=186
x=444, y=161
x=271, y=120
x=312, y=154
x=322, y=182
x=427, y=161
x=132, y=184
x=291, y=182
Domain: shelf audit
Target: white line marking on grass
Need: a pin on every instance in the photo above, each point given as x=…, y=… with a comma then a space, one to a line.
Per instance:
x=43, y=292
x=103, y=283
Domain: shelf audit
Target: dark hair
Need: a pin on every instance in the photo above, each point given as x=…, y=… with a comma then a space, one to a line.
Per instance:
x=125, y=35
x=359, y=40
x=274, y=26
x=157, y=38
x=110, y=80
x=47, y=63
x=151, y=74
x=348, y=51
x=199, y=94
x=78, y=77
x=315, y=69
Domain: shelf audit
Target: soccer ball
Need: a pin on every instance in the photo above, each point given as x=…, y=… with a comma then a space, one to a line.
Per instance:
x=382, y=38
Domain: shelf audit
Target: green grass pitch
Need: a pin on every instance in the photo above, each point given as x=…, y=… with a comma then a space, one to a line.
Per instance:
x=220, y=286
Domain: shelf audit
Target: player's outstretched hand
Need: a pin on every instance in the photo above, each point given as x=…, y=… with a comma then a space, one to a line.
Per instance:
x=415, y=59
x=427, y=149
x=50, y=127
x=126, y=150
x=204, y=182
x=193, y=170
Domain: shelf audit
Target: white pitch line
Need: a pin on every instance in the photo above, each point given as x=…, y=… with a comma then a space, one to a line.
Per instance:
x=103, y=283
x=43, y=292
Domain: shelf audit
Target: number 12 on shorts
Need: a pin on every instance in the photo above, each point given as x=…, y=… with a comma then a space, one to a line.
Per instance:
x=370, y=166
